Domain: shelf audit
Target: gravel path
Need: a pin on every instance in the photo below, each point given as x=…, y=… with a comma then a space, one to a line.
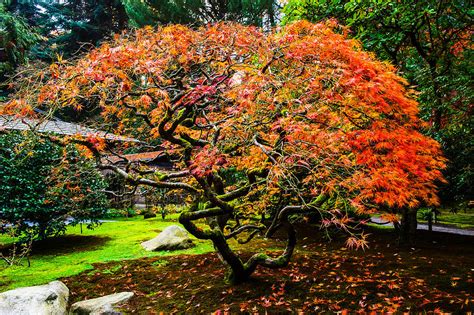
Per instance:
x=436, y=228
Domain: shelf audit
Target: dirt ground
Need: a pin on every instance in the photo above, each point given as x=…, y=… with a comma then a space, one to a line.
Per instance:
x=437, y=275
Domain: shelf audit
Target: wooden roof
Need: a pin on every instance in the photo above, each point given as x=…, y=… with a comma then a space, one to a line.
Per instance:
x=137, y=157
x=57, y=127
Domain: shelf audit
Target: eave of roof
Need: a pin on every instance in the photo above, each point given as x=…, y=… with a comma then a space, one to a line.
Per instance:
x=57, y=127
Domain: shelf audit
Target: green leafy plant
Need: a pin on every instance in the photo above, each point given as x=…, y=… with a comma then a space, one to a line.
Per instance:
x=44, y=187
x=16, y=38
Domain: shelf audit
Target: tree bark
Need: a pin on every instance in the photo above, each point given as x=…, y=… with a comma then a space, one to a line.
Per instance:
x=408, y=225
x=430, y=222
x=238, y=271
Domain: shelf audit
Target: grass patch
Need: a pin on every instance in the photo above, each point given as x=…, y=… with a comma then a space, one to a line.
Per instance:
x=323, y=277
x=463, y=218
x=74, y=253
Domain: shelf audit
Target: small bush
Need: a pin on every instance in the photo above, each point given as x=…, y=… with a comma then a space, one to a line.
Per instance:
x=44, y=187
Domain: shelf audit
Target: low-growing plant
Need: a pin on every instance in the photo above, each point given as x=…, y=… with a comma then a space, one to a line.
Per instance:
x=19, y=250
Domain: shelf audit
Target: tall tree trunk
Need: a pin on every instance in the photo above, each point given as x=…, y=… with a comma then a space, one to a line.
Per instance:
x=438, y=108
x=408, y=225
x=430, y=222
x=271, y=13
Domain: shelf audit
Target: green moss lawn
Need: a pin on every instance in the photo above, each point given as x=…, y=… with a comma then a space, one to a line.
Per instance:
x=74, y=252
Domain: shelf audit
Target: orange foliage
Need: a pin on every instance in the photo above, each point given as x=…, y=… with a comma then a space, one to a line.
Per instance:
x=304, y=103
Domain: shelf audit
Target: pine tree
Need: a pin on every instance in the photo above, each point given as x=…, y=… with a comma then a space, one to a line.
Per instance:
x=150, y=12
x=16, y=38
x=71, y=26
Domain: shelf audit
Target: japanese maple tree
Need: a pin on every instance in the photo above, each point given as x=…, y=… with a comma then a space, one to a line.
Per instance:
x=297, y=121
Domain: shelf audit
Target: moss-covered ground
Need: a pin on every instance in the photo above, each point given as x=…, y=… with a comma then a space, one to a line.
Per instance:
x=436, y=275
x=74, y=252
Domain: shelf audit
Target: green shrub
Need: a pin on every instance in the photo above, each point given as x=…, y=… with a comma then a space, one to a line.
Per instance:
x=44, y=187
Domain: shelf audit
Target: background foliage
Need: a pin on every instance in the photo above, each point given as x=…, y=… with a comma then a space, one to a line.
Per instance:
x=151, y=12
x=16, y=38
x=70, y=27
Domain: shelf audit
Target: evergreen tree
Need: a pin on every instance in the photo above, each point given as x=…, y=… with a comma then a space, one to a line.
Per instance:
x=16, y=38
x=71, y=26
x=42, y=185
x=150, y=12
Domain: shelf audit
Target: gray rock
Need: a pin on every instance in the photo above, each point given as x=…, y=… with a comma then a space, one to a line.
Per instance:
x=101, y=306
x=48, y=299
x=172, y=238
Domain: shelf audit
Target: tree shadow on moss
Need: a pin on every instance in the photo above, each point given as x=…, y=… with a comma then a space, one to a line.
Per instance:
x=68, y=244
x=63, y=245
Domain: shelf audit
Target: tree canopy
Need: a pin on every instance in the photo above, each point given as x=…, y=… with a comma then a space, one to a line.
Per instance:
x=296, y=121
x=431, y=44
x=70, y=27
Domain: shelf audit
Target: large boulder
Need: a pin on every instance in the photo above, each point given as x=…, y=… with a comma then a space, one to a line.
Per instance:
x=101, y=306
x=48, y=299
x=172, y=238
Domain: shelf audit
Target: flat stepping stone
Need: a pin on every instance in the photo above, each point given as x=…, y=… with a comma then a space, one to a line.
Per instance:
x=102, y=305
